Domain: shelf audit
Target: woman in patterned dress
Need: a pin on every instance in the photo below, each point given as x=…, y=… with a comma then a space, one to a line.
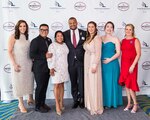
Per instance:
x=58, y=66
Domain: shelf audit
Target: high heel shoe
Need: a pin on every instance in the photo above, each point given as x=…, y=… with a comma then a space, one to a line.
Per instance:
x=30, y=102
x=59, y=113
x=128, y=107
x=135, y=108
x=22, y=109
x=63, y=108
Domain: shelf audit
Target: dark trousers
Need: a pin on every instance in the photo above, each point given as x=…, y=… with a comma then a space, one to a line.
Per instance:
x=77, y=81
x=42, y=80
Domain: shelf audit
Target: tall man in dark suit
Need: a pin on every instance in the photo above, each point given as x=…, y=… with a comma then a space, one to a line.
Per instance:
x=74, y=38
x=38, y=50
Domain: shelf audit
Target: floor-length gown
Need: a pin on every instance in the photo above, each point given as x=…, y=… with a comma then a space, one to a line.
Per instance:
x=112, y=91
x=93, y=81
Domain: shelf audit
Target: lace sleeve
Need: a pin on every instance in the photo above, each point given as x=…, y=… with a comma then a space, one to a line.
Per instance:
x=97, y=50
x=51, y=61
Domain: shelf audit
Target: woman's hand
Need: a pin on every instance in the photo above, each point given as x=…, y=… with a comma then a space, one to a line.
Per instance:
x=17, y=68
x=93, y=70
x=131, y=69
x=106, y=60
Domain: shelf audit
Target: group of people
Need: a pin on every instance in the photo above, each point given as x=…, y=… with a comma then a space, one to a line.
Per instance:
x=88, y=60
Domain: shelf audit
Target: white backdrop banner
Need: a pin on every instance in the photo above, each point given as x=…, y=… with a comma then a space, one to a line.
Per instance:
x=56, y=14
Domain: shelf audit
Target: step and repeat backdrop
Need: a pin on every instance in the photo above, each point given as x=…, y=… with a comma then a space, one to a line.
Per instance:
x=56, y=14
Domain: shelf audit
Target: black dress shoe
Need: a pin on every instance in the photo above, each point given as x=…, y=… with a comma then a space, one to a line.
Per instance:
x=41, y=109
x=46, y=107
x=75, y=104
x=81, y=104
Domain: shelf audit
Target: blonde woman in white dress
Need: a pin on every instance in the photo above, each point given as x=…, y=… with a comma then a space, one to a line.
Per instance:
x=58, y=66
x=22, y=77
x=92, y=71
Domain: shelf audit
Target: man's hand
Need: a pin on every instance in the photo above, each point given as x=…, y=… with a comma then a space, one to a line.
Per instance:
x=49, y=55
x=52, y=72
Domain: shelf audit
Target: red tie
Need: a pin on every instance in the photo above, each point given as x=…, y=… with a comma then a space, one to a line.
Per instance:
x=74, y=39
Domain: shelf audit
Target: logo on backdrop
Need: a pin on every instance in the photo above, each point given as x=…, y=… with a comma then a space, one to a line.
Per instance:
x=80, y=6
x=34, y=5
x=8, y=26
x=7, y=68
x=10, y=4
x=145, y=46
x=144, y=83
x=81, y=26
x=123, y=6
x=146, y=65
x=122, y=26
x=101, y=6
x=145, y=26
x=56, y=26
x=101, y=26
x=143, y=6
x=56, y=5
x=33, y=25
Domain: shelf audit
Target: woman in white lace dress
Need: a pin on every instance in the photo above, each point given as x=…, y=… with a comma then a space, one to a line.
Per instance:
x=22, y=77
x=58, y=66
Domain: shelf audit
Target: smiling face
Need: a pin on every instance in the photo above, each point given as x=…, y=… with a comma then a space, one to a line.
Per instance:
x=22, y=28
x=109, y=29
x=44, y=31
x=129, y=31
x=59, y=37
x=91, y=28
x=72, y=24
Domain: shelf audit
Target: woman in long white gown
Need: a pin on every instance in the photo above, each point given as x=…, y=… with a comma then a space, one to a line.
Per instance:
x=58, y=66
x=22, y=76
x=92, y=71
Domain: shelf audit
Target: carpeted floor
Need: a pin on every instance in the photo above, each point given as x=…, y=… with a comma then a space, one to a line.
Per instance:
x=9, y=111
x=144, y=103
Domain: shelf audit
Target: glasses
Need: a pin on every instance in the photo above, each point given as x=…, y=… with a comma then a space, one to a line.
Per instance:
x=46, y=30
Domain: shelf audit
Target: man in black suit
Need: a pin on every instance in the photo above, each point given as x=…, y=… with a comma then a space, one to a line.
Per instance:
x=38, y=50
x=74, y=38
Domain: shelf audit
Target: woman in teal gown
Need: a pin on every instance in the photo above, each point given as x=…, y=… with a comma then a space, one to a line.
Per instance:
x=112, y=92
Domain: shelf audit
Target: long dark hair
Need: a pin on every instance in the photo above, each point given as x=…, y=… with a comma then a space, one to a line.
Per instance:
x=17, y=32
x=88, y=36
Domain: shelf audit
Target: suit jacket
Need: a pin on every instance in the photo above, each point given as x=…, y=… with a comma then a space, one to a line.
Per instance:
x=78, y=52
x=38, y=50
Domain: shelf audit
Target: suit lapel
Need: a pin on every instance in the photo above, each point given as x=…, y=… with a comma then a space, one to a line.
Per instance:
x=69, y=36
x=80, y=39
